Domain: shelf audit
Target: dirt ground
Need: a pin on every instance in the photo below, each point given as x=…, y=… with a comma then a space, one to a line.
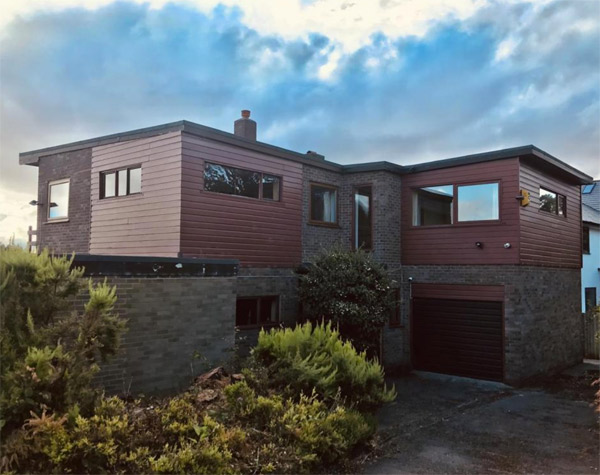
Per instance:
x=445, y=424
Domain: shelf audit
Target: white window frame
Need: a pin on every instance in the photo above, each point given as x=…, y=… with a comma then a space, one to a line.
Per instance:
x=58, y=218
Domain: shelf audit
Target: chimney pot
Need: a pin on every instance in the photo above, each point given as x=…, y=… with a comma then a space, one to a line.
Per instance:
x=245, y=127
x=246, y=114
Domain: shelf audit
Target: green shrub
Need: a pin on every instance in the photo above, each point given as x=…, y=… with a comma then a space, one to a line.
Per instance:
x=351, y=290
x=50, y=356
x=308, y=358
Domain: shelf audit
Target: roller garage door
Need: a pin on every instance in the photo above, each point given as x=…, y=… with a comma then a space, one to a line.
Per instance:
x=460, y=337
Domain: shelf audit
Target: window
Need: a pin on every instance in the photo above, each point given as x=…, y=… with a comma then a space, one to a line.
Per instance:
x=58, y=199
x=590, y=298
x=363, y=237
x=323, y=204
x=239, y=182
x=587, y=189
x=257, y=311
x=478, y=202
x=433, y=205
x=586, y=240
x=554, y=203
x=127, y=181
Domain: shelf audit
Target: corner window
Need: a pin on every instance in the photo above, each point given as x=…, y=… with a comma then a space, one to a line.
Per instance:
x=586, y=240
x=58, y=199
x=240, y=182
x=478, y=202
x=432, y=205
x=323, y=204
x=257, y=311
x=363, y=234
x=553, y=203
x=127, y=181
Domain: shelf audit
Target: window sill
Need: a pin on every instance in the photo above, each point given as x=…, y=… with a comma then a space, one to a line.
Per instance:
x=57, y=220
x=462, y=224
x=323, y=224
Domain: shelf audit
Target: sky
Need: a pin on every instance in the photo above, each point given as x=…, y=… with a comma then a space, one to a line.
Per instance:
x=405, y=81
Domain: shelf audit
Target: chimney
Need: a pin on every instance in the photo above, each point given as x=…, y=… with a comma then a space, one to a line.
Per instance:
x=245, y=127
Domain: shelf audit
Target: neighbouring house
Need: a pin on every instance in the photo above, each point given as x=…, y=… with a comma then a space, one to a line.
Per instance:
x=590, y=272
x=203, y=230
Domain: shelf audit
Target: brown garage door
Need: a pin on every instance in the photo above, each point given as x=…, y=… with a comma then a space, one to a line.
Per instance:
x=461, y=337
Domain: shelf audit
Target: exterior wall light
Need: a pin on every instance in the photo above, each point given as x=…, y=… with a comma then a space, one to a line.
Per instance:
x=507, y=245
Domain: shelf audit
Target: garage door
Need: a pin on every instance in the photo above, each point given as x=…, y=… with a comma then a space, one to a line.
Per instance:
x=460, y=337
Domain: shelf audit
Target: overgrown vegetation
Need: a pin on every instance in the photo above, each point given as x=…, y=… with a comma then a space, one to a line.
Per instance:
x=49, y=362
x=351, y=290
x=302, y=405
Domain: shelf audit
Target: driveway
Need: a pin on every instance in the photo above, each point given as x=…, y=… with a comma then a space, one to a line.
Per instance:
x=445, y=424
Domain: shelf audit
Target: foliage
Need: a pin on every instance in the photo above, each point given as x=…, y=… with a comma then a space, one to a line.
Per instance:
x=351, y=290
x=50, y=356
x=308, y=358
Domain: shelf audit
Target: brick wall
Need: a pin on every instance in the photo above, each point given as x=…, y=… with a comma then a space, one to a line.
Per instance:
x=177, y=328
x=386, y=214
x=73, y=235
x=543, y=326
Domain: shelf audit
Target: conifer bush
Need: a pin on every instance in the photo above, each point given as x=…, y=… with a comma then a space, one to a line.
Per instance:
x=314, y=357
x=351, y=290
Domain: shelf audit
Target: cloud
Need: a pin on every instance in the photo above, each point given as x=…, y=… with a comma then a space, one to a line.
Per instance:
x=471, y=77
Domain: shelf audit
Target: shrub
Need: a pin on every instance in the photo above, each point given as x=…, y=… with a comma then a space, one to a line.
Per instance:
x=351, y=290
x=50, y=356
x=308, y=358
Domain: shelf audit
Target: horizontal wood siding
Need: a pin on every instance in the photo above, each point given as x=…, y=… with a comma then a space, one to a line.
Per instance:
x=147, y=224
x=258, y=233
x=455, y=244
x=548, y=239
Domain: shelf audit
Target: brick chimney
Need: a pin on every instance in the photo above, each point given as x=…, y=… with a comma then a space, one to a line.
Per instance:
x=245, y=127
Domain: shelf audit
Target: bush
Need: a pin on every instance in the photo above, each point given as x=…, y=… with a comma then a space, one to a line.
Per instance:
x=351, y=290
x=308, y=358
x=50, y=356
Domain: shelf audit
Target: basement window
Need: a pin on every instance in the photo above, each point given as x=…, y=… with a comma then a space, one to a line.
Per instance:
x=554, y=203
x=240, y=182
x=257, y=311
x=58, y=200
x=432, y=205
x=127, y=181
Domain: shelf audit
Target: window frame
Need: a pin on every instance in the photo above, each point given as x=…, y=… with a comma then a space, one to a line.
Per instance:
x=326, y=224
x=260, y=183
x=558, y=196
x=587, y=300
x=592, y=185
x=58, y=219
x=455, y=222
x=258, y=299
x=355, y=189
x=116, y=171
x=585, y=231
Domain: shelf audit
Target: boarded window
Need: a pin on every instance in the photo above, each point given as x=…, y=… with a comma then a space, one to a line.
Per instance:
x=432, y=205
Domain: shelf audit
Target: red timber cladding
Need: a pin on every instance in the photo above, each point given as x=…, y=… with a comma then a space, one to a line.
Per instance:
x=547, y=239
x=455, y=244
x=493, y=293
x=258, y=233
x=146, y=224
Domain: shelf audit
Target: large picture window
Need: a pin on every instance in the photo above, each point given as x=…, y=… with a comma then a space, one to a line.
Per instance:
x=127, y=181
x=323, y=204
x=432, y=205
x=257, y=311
x=478, y=202
x=240, y=182
x=58, y=199
x=551, y=202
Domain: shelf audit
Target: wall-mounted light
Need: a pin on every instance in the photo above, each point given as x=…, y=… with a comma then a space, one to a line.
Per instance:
x=507, y=245
x=35, y=203
x=479, y=244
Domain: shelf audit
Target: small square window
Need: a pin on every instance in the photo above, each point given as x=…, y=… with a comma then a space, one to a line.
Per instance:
x=323, y=204
x=432, y=205
x=58, y=200
x=551, y=202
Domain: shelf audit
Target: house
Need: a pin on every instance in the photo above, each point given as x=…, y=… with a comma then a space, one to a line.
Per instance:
x=485, y=249
x=590, y=272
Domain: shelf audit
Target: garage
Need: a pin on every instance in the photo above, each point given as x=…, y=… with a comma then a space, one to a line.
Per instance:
x=458, y=335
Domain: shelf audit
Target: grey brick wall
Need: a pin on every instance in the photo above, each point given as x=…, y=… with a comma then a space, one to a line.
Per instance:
x=543, y=326
x=177, y=329
x=386, y=214
x=73, y=235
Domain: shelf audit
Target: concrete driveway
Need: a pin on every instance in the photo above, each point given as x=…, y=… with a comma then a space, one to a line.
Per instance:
x=445, y=424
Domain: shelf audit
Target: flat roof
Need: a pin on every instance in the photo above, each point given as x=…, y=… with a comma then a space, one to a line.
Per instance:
x=310, y=158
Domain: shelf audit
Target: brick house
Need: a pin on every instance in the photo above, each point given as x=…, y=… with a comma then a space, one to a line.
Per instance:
x=485, y=249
